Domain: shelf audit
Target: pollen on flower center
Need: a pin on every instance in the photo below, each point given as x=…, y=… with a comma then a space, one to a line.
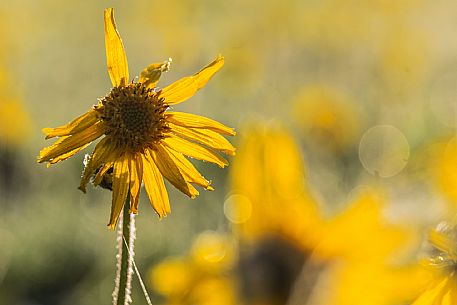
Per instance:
x=134, y=117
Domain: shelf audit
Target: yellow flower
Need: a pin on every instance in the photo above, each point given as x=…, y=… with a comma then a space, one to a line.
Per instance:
x=274, y=197
x=15, y=120
x=142, y=140
x=443, y=262
x=202, y=277
x=443, y=164
x=327, y=117
x=281, y=232
x=359, y=251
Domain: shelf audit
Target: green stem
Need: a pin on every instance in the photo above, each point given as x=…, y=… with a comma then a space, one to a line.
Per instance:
x=125, y=252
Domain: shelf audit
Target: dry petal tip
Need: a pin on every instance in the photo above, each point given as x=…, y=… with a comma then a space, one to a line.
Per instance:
x=166, y=65
x=82, y=188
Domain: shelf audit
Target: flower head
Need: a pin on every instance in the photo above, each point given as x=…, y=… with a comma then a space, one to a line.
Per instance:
x=204, y=274
x=142, y=140
x=443, y=260
x=282, y=230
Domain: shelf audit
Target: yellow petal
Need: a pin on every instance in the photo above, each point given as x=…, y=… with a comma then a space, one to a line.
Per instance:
x=186, y=87
x=151, y=75
x=69, y=145
x=136, y=175
x=189, y=172
x=155, y=187
x=120, y=188
x=194, y=150
x=433, y=295
x=206, y=137
x=67, y=155
x=196, y=121
x=77, y=125
x=171, y=171
x=99, y=155
x=115, y=55
x=443, y=242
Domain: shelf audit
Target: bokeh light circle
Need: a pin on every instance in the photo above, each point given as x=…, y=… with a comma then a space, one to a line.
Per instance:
x=209, y=247
x=237, y=208
x=384, y=150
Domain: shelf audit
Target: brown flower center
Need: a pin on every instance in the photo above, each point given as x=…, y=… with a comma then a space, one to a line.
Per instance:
x=134, y=117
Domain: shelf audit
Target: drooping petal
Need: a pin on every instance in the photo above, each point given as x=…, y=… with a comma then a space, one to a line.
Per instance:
x=206, y=137
x=67, y=155
x=69, y=145
x=155, y=186
x=98, y=157
x=189, y=172
x=120, y=188
x=151, y=74
x=115, y=55
x=136, y=175
x=196, y=121
x=186, y=87
x=77, y=125
x=194, y=150
x=171, y=171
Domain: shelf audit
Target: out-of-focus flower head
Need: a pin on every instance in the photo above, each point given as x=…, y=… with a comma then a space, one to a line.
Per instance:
x=442, y=262
x=269, y=194
x=343, y=25
x=274, y=217
x=360, y=232
x=359, y=250
x=202, y=277
x=176, y=28
x=15, y=121
x=326, y=116
x=404, y=59
x=443, y=168
x=287, y=249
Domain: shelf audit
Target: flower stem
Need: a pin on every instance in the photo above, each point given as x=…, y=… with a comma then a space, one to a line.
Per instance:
x=124, y=259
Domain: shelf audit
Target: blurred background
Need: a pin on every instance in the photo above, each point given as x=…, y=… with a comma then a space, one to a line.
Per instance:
x=346, y=114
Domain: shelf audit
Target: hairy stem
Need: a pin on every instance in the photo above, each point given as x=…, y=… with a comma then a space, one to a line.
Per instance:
x=121, y=295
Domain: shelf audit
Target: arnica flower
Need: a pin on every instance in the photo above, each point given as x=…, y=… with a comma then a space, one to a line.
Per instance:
x=142, y=140
x=274, y=191
x=201, y=277
x=282, y=231
x=443, y=261
x=361, y=251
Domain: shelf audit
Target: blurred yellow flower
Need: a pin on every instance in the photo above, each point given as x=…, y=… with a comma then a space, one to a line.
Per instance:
x=443, y=262
x=443, y=165
x=281, y=227
x=325, y=115
x=201, y=278
x=360, y=232
x=404, y=59
x=381, y=284
x=142, y=140
x=358, y=249
x=15, y=121
x=273, y=198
